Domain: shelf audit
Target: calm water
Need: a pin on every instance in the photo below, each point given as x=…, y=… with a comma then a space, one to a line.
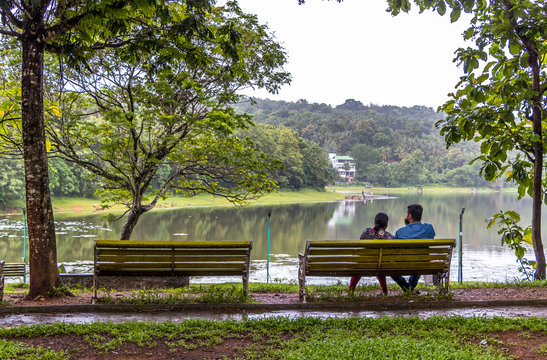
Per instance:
x=484, y=259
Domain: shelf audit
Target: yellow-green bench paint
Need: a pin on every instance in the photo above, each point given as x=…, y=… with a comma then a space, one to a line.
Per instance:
x=11, y=269
x=171, y=258
x=374, y=258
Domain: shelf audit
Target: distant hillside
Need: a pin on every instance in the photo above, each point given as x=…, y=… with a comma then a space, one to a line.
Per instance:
x=391, y=145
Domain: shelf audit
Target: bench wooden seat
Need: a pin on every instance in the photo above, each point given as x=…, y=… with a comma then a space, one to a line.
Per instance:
x=171, y=258
x=374, y=258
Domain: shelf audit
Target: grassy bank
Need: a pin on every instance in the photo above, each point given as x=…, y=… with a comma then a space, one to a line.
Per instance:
x=283, y=338
x=83, y=206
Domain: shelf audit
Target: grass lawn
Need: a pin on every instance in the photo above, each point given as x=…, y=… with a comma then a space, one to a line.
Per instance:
x=283, y=338
x=436, y=337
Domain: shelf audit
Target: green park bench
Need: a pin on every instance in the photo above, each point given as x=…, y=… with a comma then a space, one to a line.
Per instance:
x=11, y=269
x=171, y=258
x=374, y=258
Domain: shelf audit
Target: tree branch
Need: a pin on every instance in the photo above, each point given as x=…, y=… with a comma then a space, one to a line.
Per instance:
x=10, y=33
x=61, y=28
x=10, y=16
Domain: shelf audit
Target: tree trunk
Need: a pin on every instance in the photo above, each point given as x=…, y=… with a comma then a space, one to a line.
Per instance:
x=44, y=274
x=131, y=222
x=537, y=200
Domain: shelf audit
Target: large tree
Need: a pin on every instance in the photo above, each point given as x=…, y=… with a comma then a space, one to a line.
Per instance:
x=69, y=28
x=500, y=99
x=161, y=117
x=501, y=102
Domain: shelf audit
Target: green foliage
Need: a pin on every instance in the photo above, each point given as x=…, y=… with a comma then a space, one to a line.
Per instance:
x=382, y=139
x=516, y=238
x=213, y=294
x=304, y=163
x=156, y=118
x=349, y=345
x=302, y=338
x=500, y=99
x=16, y=350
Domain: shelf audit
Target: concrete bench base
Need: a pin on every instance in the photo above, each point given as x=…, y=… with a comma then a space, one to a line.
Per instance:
x=127, y=282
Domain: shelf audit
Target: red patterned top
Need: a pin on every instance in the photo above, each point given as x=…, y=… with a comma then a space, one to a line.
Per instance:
x=370, y=233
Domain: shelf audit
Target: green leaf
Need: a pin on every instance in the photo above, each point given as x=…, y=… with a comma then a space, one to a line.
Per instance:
x=441, y=8
x=468, y=5
x=524, y=60
x=490, y=172
x=514, y=48
x=528, y=238
x=513, y=215
x=455, y=14
x=55, y=110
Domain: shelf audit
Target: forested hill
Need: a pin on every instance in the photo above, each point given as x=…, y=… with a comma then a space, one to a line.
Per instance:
x=338, y=129
x=391, y=145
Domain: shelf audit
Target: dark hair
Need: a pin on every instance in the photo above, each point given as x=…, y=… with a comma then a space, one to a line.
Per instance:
x=380, y=221
x=416, y=211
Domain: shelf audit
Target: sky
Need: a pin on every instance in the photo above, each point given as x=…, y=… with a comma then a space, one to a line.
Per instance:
x=356, y=50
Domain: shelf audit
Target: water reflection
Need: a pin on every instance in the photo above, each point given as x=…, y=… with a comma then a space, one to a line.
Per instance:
x=292, y=225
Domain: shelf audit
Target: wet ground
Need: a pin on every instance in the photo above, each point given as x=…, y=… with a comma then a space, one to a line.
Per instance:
x=83, y=318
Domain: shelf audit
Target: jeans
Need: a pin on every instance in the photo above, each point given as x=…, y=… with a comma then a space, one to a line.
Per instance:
x=406, y=285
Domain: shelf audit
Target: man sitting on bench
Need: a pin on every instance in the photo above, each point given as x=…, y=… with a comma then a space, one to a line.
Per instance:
x=414, y=229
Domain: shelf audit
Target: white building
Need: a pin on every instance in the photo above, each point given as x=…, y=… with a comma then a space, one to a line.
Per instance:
x=345, y=165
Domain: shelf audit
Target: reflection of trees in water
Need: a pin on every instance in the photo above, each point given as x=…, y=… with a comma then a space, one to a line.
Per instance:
x=74, y=249
x=291, y=225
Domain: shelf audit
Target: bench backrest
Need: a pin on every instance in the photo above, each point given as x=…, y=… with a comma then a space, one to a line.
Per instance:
x=191, y=258
x=378, y=257
x=14, y=269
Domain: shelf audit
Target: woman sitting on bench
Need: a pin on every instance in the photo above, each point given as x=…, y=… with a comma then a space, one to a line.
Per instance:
x=377, y=232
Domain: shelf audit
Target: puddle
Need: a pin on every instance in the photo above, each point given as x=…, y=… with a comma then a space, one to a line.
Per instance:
x=87, y=318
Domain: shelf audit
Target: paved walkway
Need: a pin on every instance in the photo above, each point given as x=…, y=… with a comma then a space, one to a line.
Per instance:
x=17, y=316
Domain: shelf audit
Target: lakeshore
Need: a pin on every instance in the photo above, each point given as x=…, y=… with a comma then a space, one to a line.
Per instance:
x=65, y=207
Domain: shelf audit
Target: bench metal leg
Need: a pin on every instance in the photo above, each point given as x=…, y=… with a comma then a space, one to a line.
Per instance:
x=443, y=283
x=94, y=299
x=246, y=282
x=302, y=277
x=1, y=280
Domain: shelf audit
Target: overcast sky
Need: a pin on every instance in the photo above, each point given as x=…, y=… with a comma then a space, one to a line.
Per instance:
x=357, y=50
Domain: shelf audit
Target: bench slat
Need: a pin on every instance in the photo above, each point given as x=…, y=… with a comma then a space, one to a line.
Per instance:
x=398, y=243
x=169, y=258
x=344, y=273
x=169, y=244
x=168, y=272
x=398, y=258
x=202, y=251
x=408, y=266
x=376, y=252
x=167, y=265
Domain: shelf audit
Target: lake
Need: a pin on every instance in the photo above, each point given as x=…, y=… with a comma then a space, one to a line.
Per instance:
x=484, y=259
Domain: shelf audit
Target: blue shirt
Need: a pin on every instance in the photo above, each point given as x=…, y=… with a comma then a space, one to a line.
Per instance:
x=416, y=230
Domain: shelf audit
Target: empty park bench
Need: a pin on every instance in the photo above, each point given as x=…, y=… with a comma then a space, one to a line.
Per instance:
x=374, y=258
x=11, y=269
x=171, y=258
